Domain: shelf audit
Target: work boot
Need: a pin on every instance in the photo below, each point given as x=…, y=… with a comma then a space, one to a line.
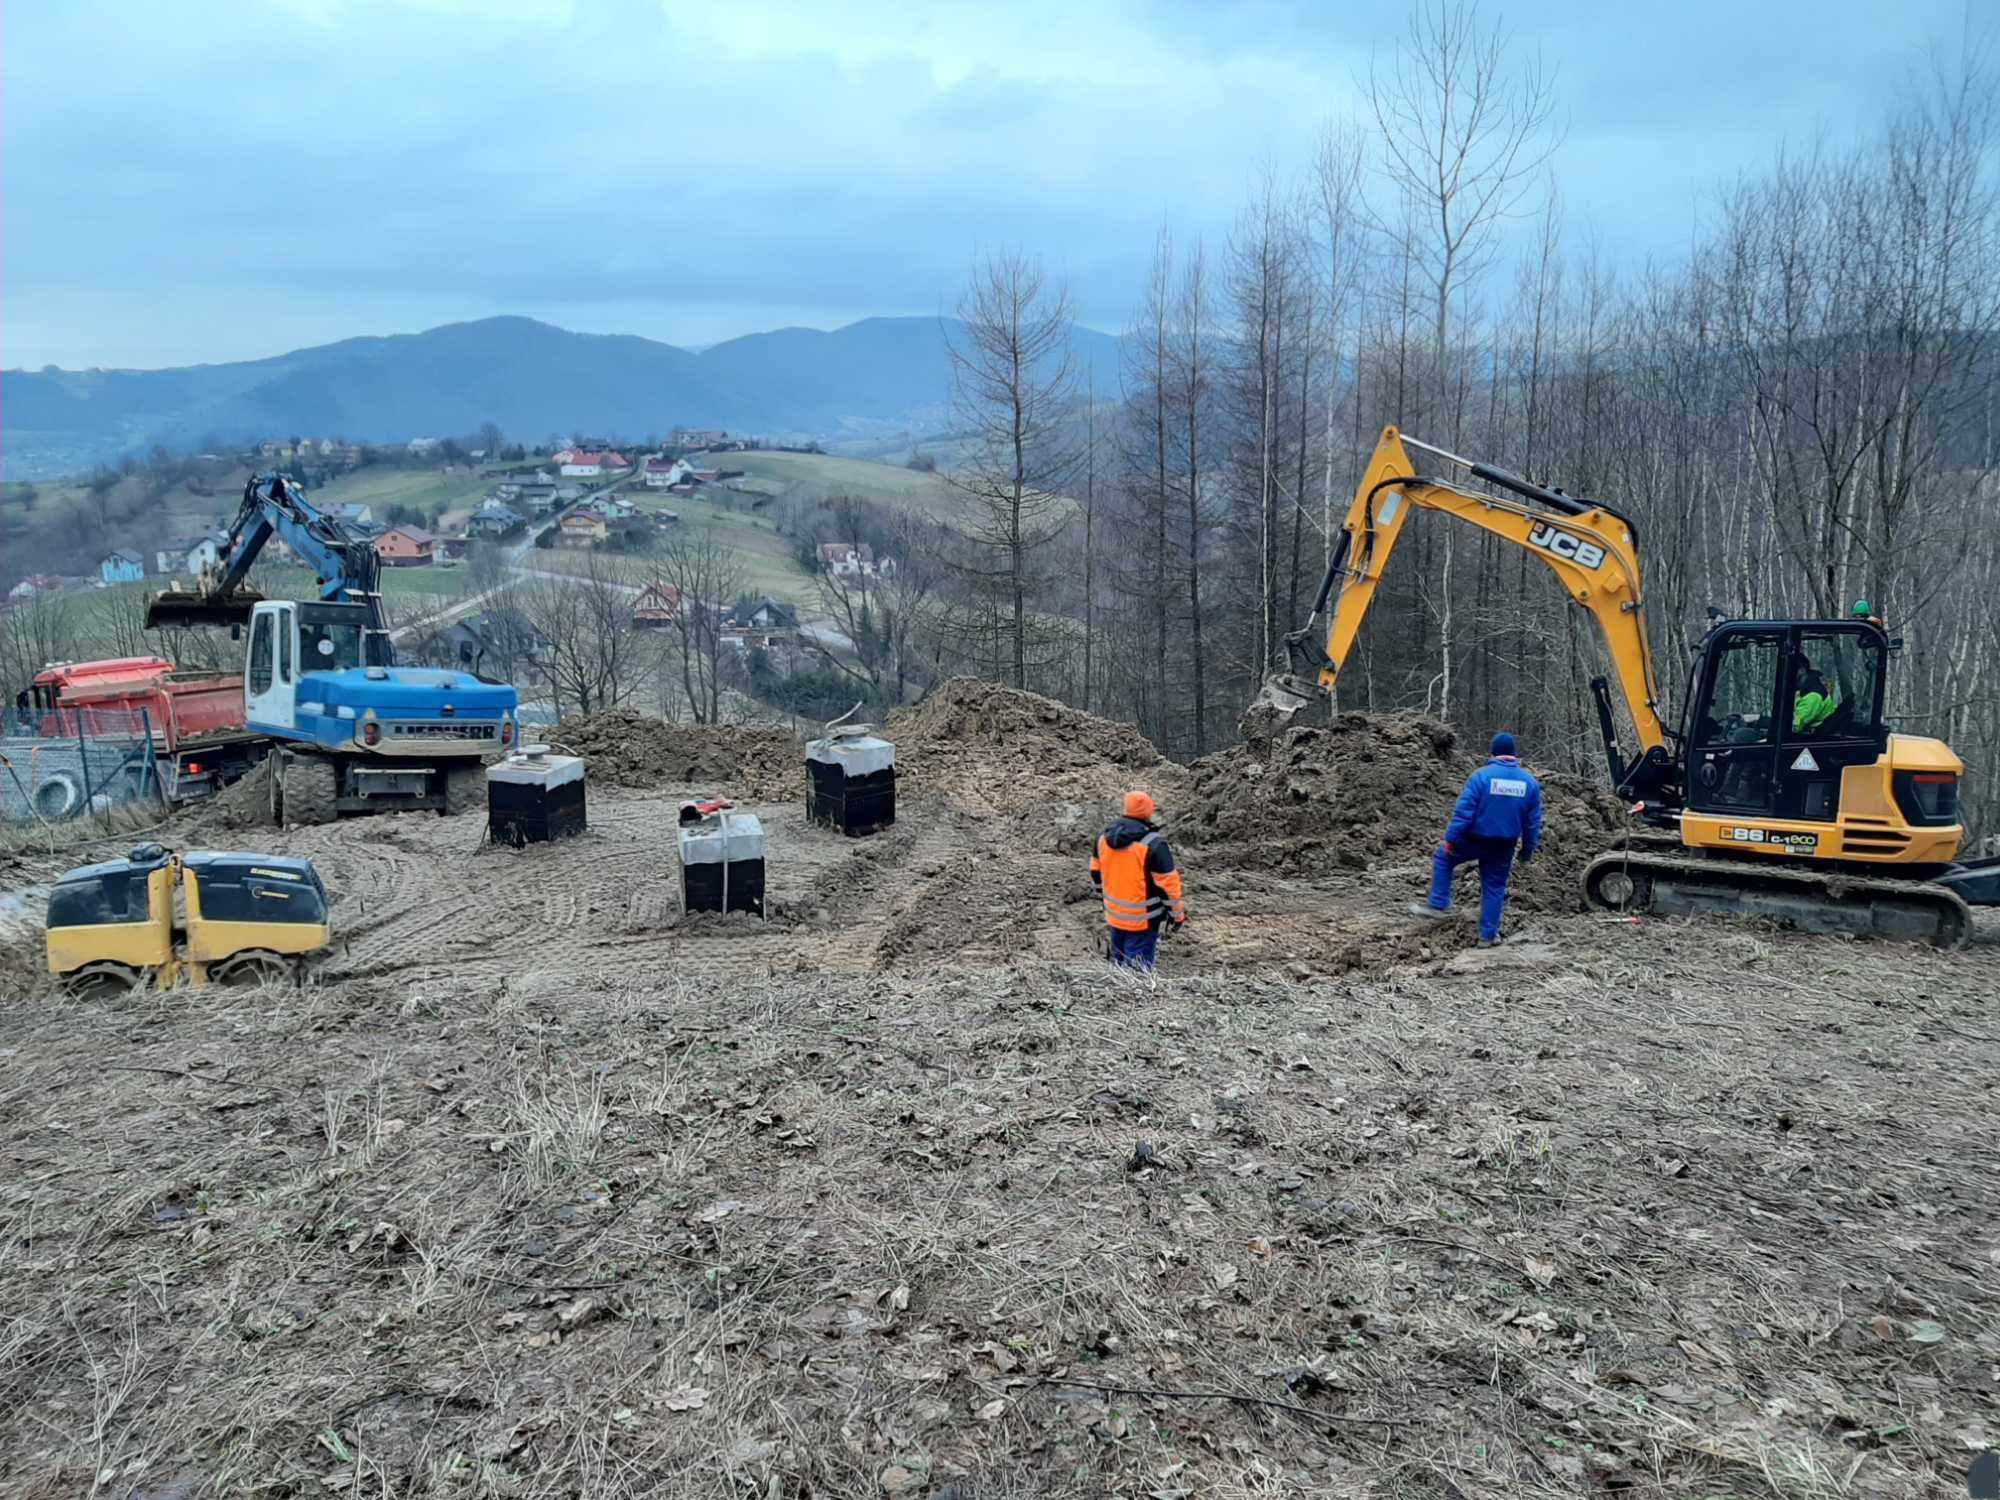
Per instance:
x=1489, y=942
x=1428, y=912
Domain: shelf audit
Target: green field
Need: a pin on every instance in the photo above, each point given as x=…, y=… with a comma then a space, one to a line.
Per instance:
x=426, y=490
x=767, y=559
x=820, y=476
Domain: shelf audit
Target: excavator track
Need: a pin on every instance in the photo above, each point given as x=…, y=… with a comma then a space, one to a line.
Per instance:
x=1642, y=879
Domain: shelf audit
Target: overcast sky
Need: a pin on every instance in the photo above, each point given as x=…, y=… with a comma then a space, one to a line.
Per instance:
x=221, y=179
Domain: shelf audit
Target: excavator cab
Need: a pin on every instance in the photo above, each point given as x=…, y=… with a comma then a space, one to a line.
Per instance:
x=1779, y=710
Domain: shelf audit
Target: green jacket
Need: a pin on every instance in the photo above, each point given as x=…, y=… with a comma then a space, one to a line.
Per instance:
x=1810, y=710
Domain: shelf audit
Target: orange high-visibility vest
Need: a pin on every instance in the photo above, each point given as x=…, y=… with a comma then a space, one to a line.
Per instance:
x=1136, y=898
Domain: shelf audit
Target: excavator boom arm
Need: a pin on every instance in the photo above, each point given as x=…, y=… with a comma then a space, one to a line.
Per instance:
x=1590, y=549
x=346, y=567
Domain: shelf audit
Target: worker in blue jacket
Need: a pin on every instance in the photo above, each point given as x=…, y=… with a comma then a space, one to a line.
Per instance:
x=1500, y=807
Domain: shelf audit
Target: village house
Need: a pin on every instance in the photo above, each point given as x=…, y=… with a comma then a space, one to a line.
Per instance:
x=190, y=555
x=589, y=463
x=617, y=507
x=760, y=625
x=406, y=547
x=122, y=566
x=502, y=633
x=454, y=548
x=33, y=584
x=662, y=472
x=847, y=559
x=697, y=438
x=351, y=514
x=658, y=604
x=492, y=519
x=420, y=446
x=582, y=527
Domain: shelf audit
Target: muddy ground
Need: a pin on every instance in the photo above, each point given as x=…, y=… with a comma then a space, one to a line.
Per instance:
x=544, y=1189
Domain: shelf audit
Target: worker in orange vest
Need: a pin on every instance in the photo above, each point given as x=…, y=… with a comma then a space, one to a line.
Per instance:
x=1134, y=870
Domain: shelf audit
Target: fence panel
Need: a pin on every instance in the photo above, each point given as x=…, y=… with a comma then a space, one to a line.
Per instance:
x=65, y=763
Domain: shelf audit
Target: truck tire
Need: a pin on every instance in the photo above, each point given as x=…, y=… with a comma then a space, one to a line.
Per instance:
x=58, y=797
x=310, y=786
x=464, y=789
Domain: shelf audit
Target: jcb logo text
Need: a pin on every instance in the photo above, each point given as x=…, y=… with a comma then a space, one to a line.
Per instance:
x=1575, y=548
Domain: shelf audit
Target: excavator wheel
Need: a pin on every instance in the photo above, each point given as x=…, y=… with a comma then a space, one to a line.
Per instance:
x=103, y=981
x=253, y=967
x=309, y=789
x=464, y=789
x=1616, y=886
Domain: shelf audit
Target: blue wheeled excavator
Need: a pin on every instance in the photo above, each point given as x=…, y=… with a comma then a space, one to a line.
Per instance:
x=351, y=731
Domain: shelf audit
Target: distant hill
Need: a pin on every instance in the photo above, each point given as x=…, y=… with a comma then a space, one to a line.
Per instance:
x=532, y=379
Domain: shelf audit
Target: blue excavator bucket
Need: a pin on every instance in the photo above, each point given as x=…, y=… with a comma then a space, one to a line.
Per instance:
x=183, y=609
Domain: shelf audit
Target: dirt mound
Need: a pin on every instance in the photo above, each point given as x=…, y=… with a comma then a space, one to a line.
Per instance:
x=1373, y=788
x=244, y=803
x=980, y=746
x=622, y=747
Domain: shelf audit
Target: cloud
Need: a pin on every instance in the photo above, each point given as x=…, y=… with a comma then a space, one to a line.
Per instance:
x=221, y=182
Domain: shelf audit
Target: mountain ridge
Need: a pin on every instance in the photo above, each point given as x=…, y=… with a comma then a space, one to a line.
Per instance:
x=534, y=379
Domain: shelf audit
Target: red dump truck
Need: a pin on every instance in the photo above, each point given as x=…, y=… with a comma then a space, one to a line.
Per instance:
x=196, y=719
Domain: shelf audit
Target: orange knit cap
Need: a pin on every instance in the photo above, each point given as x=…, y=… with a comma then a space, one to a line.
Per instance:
x=1139, y=805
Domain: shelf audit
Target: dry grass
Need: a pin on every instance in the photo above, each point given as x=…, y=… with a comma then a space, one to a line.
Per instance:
x=1670, y=1219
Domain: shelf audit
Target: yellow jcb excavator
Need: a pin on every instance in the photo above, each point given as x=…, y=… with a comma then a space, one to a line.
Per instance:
x=1781, y=792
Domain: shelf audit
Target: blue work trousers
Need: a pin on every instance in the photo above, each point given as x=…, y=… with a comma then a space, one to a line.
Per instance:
x=1135, y=950
x=1495, y=858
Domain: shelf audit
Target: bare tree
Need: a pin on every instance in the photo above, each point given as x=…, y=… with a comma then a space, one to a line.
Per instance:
x=1147, y=446
x=1012, y=385
x=1338, y=165
x=44, y=627
x=1464, y=141
x=584, y=623
x=706, y=576
x=1193, y=396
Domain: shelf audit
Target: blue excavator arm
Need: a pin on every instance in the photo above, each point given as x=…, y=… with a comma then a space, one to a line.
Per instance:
x=346, y=566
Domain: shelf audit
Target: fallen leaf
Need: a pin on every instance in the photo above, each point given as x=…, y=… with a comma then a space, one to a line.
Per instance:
x=1223, y=1275
x=1259, y=1246
x=1541, y=1272
x=897, y=1480
x=1004, y=1359
x=579, y=1312
x=718, y=1211
x=510, y=1320
x=1884, y=1329
x=993, y=1410
x=625, y=1417
x=1924, y=1331
x=900, y=1298
x=687, y=1398
x=749, y=1450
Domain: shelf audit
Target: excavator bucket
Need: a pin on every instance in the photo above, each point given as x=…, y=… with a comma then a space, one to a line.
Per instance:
x=1283, y=694
x=180, y=609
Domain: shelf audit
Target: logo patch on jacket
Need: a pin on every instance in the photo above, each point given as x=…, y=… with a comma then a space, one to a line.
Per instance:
x=1507, y=788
